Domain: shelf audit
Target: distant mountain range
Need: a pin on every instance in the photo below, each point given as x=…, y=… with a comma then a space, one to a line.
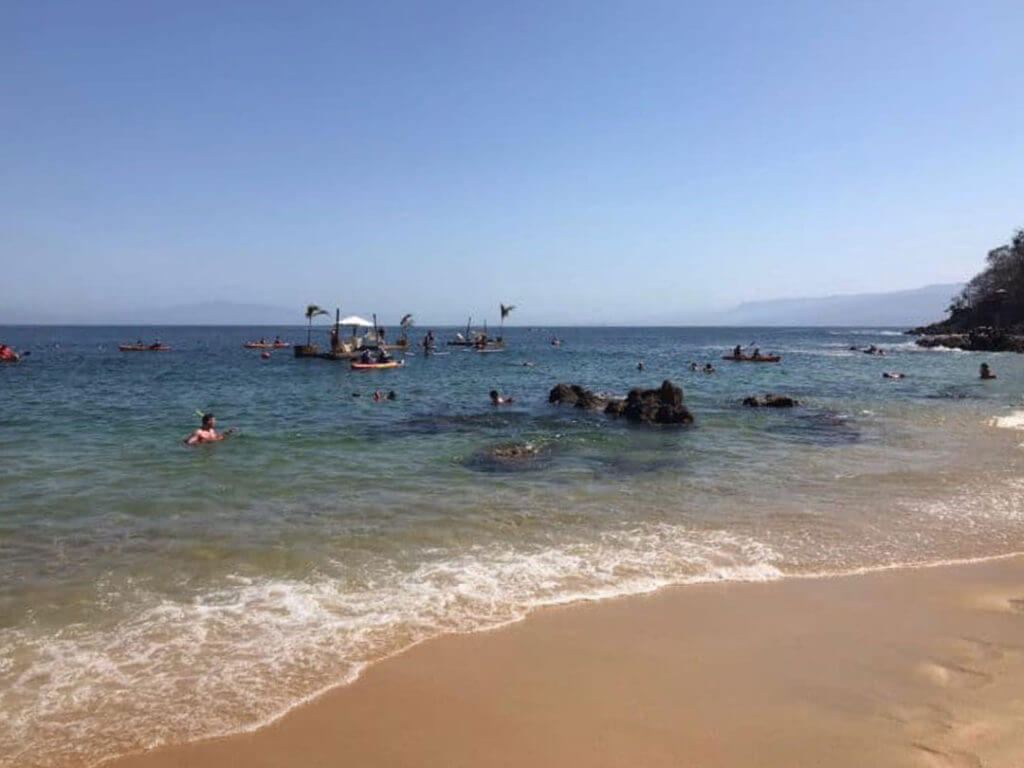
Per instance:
x=901, y=309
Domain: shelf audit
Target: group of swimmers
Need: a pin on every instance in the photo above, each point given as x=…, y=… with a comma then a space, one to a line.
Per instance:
x=207, y=431
x=381, y=355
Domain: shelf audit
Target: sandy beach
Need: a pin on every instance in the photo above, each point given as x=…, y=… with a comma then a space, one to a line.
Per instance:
x=908, y=667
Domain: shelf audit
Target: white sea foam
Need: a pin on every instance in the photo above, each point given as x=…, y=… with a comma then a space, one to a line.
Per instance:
x=1013, y=420
x=237, y=656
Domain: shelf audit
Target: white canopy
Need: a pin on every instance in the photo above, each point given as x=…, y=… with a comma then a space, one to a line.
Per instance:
x=355, y=320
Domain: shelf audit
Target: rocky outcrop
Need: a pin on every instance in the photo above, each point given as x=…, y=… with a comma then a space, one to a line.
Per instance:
x=770, y=401
x=564, y=394
x=984, y=339
x=663, y=405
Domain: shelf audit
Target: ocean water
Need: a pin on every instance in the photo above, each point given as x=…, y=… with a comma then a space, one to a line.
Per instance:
x=152, y=593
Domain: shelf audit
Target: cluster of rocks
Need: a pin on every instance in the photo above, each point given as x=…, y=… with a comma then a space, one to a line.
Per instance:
x=663, y=405
x=983, y=339
x=574, y=394
x=770, y=401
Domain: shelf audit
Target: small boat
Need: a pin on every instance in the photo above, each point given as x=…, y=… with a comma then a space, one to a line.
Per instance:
x=358, y=366
x=11, y=357
x=752, y=359
x=266, y=345
x=143, y=347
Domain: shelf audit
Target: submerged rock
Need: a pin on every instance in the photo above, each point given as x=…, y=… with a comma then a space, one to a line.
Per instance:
x=770, y=401
x=508, y=457
x=513, y=451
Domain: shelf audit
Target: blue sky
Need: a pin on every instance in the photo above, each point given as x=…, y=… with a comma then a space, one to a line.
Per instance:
x=589, y=161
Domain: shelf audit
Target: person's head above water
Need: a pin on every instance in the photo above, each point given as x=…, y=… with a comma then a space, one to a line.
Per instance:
x=495, y=396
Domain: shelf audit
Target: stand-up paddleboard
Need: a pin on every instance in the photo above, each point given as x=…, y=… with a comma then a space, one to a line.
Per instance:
x=356, y=366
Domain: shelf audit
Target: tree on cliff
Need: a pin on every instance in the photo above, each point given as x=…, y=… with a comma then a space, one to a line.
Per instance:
x=995, y=296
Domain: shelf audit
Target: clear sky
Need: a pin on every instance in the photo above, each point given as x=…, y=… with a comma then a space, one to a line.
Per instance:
x=589, y=161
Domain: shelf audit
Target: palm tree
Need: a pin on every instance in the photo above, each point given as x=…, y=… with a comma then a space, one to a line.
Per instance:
x=505, y=309
x=312, y=310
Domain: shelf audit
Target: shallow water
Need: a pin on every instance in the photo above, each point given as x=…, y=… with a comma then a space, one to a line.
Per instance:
x=153, y=593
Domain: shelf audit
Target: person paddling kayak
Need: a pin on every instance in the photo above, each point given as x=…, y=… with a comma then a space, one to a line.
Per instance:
x=207, y=432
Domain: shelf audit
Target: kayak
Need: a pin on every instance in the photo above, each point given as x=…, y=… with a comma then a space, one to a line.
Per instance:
x=357, y=366
x=749, y=359
x=266, y=345
x=143, y=347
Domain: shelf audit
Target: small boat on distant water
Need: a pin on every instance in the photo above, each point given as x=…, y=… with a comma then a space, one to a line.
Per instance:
x=476, y=339
x=275, y=344
x=8, y=355
x=154, y=347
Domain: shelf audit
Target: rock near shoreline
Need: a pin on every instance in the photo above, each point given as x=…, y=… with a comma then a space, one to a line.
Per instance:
x=770, y=401
x=984, y=339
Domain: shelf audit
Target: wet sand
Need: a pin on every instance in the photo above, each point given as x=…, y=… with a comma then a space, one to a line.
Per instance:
x=912, y=667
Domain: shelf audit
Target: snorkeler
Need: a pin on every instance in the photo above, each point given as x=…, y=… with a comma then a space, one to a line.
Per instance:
x=207, y=432
x=497, y=399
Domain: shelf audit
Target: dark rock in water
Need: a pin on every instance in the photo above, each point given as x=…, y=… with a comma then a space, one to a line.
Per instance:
x=576, y=395
x=663, y=405
x=562, y=393
x=770, y=401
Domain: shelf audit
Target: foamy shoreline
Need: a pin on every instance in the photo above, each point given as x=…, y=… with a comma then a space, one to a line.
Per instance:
x=948, y=569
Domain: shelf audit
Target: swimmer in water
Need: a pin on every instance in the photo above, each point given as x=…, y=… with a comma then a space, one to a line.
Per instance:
x=985, y=372
x=207, y=432
x=497, y=399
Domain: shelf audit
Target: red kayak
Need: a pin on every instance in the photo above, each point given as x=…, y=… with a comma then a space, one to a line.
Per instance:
x=751, y=359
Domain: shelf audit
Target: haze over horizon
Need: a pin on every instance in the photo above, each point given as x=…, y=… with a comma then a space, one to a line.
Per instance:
x=588, y=163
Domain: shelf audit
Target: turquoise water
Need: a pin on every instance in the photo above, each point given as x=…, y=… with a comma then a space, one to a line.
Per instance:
x=153, y=593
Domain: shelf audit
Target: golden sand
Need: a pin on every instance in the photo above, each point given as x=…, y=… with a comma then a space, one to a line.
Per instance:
x=914, y=667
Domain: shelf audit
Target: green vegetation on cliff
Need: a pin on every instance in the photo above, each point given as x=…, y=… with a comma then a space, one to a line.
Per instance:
x=994, y=298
